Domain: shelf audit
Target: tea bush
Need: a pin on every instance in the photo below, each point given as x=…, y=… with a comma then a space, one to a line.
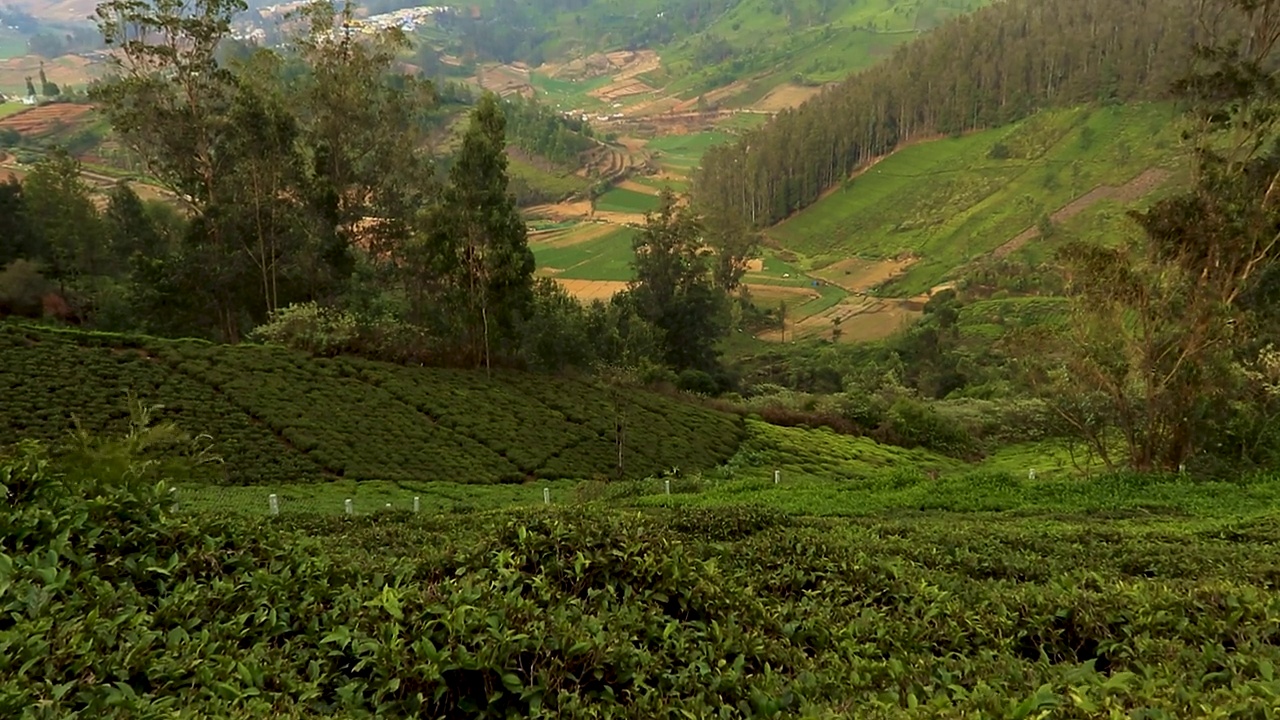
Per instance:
x=112, y=607
x=279, y=416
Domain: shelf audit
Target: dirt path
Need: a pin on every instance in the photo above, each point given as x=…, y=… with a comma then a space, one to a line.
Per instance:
x=1133, y=190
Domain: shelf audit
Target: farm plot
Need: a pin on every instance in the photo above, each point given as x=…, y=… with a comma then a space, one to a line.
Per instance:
x=47, y=379
x=624, y=200
x=277, y=416
x=680, y=154
x=949, y=202
x=43, y=119
x=859, y=276
x=595, y=257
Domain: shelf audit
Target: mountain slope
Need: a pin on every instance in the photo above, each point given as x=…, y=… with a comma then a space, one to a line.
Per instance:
x=979, y=71
x=944, y=203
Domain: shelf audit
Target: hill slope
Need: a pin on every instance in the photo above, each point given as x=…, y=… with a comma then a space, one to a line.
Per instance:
x=916, y=219
x=981, y=71
x=281, y=416
x=940, y=204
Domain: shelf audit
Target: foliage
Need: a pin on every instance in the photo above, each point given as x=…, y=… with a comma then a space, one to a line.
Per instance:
x=674, y=286
x=588, y=612
x=975, y=72
x=538, y=129
x=277, y=416
x=950, y=207
x=480, y=242
x=278, y=176
x=1163, y=331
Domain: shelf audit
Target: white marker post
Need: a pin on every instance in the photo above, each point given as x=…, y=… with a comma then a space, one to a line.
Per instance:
x=546, y=496
x=349, y=507
x=668, y=484
x=1031, y=474
x=415, y=503
x=777, y=476
x=274, y=503
x=173, y=497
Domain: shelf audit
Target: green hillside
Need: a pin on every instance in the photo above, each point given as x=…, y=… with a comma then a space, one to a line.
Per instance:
x=950, y=201
x=278, y=416
x=765, y=43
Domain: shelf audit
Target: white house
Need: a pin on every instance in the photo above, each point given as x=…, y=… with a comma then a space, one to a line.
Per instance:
x=29, y=100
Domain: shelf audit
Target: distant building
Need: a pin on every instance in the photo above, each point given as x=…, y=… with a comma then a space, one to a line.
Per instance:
x=29, y=100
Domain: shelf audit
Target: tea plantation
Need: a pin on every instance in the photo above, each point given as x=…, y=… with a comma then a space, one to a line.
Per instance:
x=277, y=416
x=113, y=606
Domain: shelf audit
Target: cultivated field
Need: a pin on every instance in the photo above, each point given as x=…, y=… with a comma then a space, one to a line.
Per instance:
x=39, y=120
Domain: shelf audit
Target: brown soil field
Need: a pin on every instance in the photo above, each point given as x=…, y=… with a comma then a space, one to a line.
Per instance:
x=623, y=64
x=1134, y=189
x=859, y=276
x=43, y=118
x=637, y=187
x=713, y=96
x=582, y=210
x=588, y=290
x=504, y=80
x=650, y=106
x=785, y=96
x=861, y=320
x=571, y=236
x=774, y=293
x=622, y=88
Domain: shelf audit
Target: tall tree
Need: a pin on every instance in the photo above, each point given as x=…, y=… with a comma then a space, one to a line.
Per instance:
x=481, y=239
x=128, y=227
x=364, y=125
x=168, y=100
x=64, y=220
x=675, y=286
x=1164, y=339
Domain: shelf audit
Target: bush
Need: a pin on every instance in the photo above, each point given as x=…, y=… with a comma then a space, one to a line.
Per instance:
x=22, y=289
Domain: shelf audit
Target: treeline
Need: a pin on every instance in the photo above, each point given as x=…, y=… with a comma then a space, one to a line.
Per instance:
x=977, y=71
x=536, y=128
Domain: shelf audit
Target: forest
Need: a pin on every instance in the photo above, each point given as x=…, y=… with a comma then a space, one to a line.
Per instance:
x=982, y=70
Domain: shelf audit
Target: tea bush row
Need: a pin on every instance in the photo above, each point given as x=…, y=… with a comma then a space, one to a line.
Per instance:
x=111, y=607
x=279, y=416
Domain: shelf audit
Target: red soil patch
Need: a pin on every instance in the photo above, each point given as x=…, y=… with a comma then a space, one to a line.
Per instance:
x=45, y=118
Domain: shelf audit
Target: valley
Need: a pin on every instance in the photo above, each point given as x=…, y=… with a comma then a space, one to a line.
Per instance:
x=943, y=383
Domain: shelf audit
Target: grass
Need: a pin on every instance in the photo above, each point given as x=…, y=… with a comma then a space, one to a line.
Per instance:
x=626, y=201
x=555, y=186
x=820, y=474
x=604, y=258
x=771, y=48
x=950, y=201
x=682, y=153
x=677, y=186
x=11, y=108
